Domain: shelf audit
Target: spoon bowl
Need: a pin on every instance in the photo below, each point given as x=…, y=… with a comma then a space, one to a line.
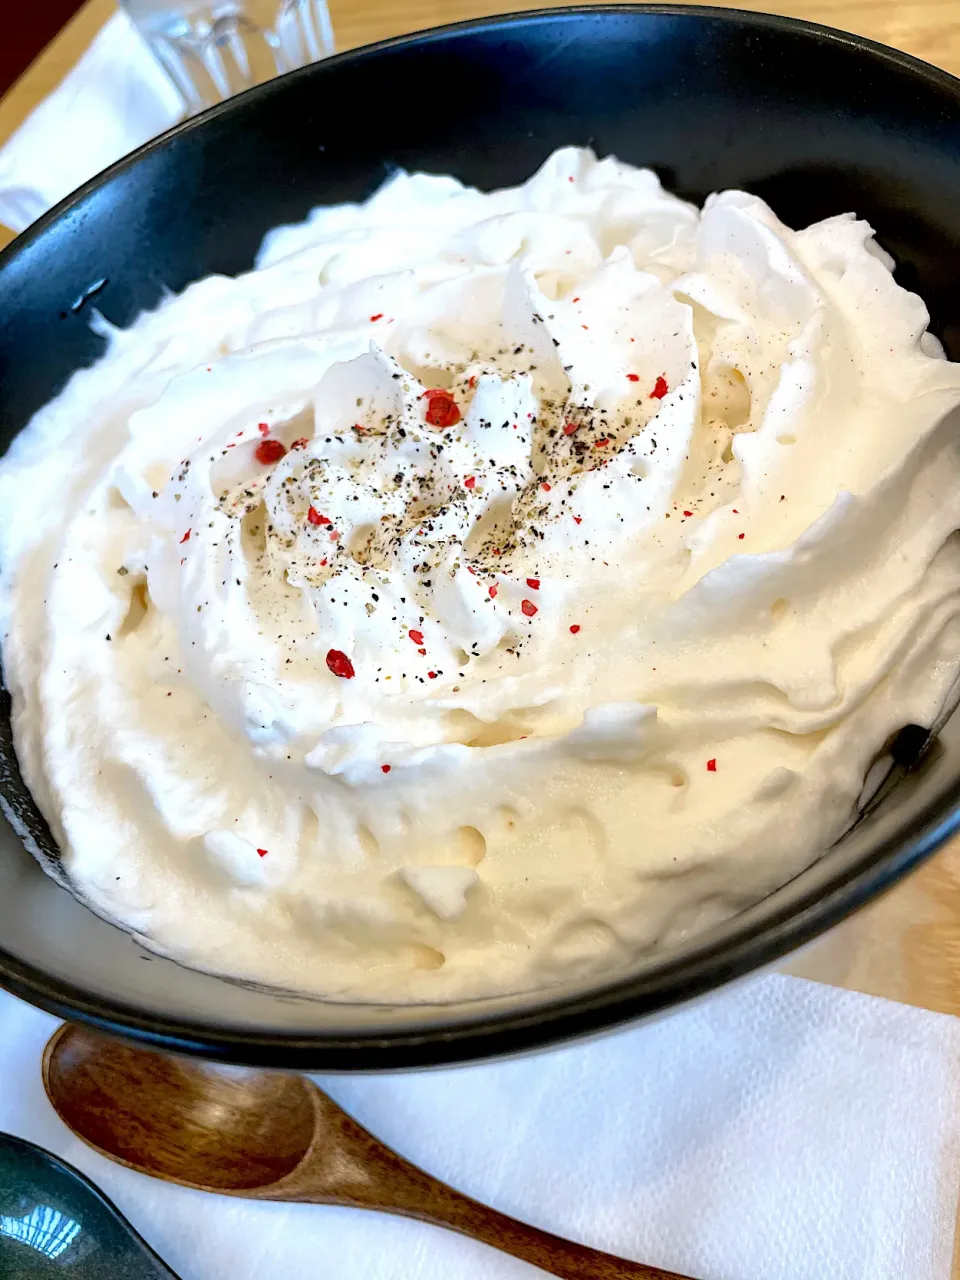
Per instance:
x=227, y=1129
x=269, y=1136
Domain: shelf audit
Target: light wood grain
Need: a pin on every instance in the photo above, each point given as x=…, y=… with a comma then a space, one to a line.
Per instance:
x=907, y=945
x=928, y=28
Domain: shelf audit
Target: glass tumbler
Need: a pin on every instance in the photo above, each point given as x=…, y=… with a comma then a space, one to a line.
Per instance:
x=212, y=49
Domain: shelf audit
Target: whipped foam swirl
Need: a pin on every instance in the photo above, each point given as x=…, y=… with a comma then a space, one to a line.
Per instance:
x=484, y=588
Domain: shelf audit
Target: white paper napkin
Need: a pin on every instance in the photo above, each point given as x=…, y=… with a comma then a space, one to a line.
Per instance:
x=781, y=1130
x=113, y=100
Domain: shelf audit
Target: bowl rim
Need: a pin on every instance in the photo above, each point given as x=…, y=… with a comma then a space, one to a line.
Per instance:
x=735, y=949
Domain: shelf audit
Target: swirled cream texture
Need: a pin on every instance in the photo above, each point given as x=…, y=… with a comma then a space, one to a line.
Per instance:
x=484, y=588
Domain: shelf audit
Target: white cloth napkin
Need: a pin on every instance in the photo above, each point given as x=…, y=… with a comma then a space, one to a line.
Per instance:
x=781, y=1130
x=114, y=99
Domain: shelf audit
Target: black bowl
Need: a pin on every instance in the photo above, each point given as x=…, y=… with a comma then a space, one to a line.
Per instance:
x=815, y=121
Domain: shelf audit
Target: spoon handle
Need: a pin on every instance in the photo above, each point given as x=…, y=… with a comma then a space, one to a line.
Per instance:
x=558, y=1257
x=348, y=1165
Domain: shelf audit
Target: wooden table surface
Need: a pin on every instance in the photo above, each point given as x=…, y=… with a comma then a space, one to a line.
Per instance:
x=907, y=945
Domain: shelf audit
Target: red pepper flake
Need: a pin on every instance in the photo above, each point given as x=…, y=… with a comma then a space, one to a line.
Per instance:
x=660, y=389
x=735, y=511
x=269, y=451
x=492, y=592
x=472, y=381
x=545, y=486
x=688, y=513
x=533, y=584
x=186, y=537
x=711, y=766
x=432, y=675
x=528, y=607
x=358, y=429
x=469, y=482
x=340, y=664
x=601, y=444
x=263, y=428
x=334, y=535
x=416, y=636
x=471, y=569
x=323, y=564
x=633, y=377
x=569, y=179
x=378, y=316
x=570, y=427
x=183, y=561
x=579, y=519
x=575, y=628
x=575, y=299
x=741, y=536
x=422, y=653
x=301, y=443
x=783, y=497
x=442, y=409
x=584, y=326
x=385, y=768
x=263, y=852
x=314, y=516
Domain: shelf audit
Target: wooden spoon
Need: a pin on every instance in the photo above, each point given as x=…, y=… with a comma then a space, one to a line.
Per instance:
x=268, y=1135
